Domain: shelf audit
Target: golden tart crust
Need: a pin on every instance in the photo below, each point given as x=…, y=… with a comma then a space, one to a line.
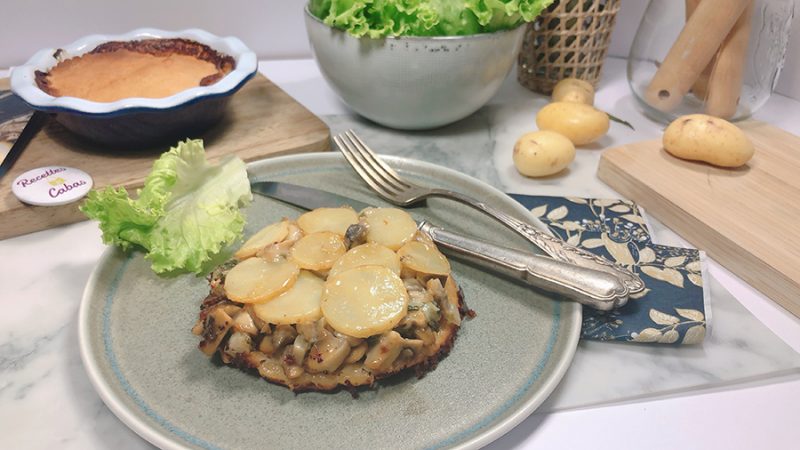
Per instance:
x=151, y=68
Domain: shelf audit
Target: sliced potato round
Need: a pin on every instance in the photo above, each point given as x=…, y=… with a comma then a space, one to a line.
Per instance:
x=298, y=304
x=271, y=234
x=370, y=254
x=256, y=280
x=335, y=220
x=364, y=301
x=318, y=251
x=390, y=227
x=423, y=257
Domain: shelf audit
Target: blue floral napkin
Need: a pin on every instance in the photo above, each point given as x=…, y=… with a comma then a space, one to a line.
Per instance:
x=672, y=310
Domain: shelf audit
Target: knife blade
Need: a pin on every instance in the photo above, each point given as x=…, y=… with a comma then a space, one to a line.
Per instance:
x=31, y=128
x=594, y=288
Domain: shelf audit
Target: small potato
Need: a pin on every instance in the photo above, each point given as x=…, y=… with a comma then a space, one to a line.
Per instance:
x=580, y=123
x=699, y=137
x=542, y=153
x=574, y=90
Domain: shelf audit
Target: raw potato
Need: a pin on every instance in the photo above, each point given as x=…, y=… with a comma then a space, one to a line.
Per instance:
x=581, y=124
x=700, y=137
x=335, y=220
x=574, y=90
x=271, y=234
x=367, y=255
x=318, y=251
x=542, y=153
x=256, y=280
x=364, y=301
x=425, y=258
x=390, y=227
x=298, y=304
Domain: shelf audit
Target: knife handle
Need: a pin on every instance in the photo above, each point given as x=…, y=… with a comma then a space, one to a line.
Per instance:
x=596, y=289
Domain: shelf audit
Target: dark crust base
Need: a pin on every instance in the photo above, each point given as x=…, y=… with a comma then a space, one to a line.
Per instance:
x=158, y=47
x=420, y=369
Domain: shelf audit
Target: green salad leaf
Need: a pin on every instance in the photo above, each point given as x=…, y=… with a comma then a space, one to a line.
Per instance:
x=186, y=213
x=379, y=18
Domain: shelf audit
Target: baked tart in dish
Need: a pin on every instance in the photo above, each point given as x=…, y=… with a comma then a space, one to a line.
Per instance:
x=147, y=68
x=333, y=299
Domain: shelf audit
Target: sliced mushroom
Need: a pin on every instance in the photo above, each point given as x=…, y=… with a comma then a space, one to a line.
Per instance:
x=383, y=354
x=283, y=335
x=239, y=343
x=311, y=331
x=449, y=310
x=357, y=353
x=300, y=348
x=216, y=327
x=327, y=354
x=243, y=322
x=355, y=235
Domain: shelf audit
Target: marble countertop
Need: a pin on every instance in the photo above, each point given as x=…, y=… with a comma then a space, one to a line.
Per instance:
x=47, y=401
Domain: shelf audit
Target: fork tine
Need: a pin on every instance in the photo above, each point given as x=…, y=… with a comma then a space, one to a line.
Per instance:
x=363, y=171
x=389, y=174
x=366, y=162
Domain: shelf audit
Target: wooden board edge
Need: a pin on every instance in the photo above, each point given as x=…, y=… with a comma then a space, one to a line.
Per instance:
x=757, y=273
x=69, y=214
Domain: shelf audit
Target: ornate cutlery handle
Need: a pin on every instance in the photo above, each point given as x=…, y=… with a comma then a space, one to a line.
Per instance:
x=599, y=290
x=554, y=247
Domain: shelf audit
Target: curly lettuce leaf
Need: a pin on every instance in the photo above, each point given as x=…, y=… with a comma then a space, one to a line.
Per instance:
x=380, y=18
x=186, y=213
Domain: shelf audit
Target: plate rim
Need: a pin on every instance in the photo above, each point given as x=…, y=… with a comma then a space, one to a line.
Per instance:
x=480, y=439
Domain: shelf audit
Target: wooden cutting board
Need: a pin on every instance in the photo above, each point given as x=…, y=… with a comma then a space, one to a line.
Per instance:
x=747, y=219
x=261, y=121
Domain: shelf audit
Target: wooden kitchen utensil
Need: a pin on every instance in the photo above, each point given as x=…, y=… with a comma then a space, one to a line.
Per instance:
x=261, y=121
x=746, y=219
x=696, y=45
x=700, y=86
x=725, y=81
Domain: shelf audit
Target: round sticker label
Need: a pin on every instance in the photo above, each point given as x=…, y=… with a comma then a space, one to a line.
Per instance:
x=51, y=185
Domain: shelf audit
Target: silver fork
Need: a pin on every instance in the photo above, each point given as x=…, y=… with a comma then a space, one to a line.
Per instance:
x=399, y=191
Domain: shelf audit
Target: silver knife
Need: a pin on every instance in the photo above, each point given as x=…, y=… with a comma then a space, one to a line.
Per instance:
x=594, y=288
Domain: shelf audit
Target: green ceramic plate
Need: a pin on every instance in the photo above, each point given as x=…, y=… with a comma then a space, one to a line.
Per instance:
x=139, y=352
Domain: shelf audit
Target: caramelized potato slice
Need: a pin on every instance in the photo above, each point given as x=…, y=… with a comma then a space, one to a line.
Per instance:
x=318, y=251
x=390, y=227
x=298, y=304
x=423, y=257
x=364, y=301
x=367, y=255
x=271, y=234
x=335, y=220
x=256, y=280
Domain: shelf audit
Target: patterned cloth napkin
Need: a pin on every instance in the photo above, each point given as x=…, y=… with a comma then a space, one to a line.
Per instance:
x=672, y=309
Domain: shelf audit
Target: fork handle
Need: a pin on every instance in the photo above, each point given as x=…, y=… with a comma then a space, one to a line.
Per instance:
x=556, y=248
x=599, y=290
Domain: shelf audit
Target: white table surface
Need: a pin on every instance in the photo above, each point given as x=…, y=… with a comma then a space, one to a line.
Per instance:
x=41, y=274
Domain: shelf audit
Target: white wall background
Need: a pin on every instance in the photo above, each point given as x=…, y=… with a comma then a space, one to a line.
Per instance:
x=274, y=29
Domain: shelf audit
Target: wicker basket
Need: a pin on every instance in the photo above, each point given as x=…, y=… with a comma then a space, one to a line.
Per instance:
x=569, y=39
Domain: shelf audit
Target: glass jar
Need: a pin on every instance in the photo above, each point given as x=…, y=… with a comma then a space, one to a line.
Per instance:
x=744, y=62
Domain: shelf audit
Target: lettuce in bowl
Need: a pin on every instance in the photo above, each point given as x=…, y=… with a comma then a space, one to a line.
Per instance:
x=380, y=18
x=187, y=212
